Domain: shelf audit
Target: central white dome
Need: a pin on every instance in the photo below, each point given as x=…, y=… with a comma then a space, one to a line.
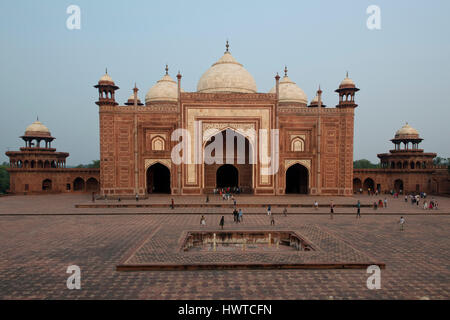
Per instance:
x=226, y=75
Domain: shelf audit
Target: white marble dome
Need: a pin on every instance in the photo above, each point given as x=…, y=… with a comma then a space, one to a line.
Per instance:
x=226, y=75
x=106, y=77
x=37, y=128
x=165, y=89
x=406, y=131
x=347, y=82
x=290, y=92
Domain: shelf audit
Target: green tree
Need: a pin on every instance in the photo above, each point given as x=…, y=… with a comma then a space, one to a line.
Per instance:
x=93, y=164
x=4, y=177
x=441, y=161
x=364, y=164
x=437, y=161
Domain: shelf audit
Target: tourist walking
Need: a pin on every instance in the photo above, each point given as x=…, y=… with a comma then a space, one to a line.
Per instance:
x=358, y=209
x=425, y=205
x=269, y=210
x=172, y=204
x=285, y=212
x=402, y=222
x=331, y=209
x=385, y=202
x=203, y=221
x=240, y=215
x=222, y=222
x=272, y=221
x=137, y=197
x=316, y=205
x=235, y=215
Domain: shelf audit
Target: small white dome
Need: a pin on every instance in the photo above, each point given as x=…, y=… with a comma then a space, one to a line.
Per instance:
x=165, y=89
x=37, y=127
x=406, y=131
x=106, y=77
x=290, y=92
x=227, y=75
x=347, y=82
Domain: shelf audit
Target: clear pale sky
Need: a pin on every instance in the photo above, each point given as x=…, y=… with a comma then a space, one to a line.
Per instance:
x=403, y=70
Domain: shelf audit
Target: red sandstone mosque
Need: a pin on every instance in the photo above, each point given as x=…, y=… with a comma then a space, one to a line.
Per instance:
x=315, y=143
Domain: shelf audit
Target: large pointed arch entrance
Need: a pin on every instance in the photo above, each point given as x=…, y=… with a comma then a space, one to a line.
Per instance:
x=297, y=178
x=228, y=165
x=158, y=179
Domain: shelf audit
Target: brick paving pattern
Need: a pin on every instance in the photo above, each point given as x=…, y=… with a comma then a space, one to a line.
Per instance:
x=163, y=248
x=35, y=252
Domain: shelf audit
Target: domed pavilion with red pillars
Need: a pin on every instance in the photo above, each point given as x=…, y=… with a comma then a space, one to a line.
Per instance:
x=405, y=169
x=39, y=168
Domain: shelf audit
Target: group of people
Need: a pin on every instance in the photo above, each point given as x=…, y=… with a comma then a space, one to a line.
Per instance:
x=370, y=192
x=227, y=190
x=415, y=200
x=237, y=215
x=380, y=204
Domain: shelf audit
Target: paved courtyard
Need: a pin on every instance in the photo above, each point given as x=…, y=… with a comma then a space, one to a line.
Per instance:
x=35, y=251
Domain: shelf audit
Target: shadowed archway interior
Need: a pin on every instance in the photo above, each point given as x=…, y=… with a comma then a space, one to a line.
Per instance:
x=47, y=185
x=227, y=176
x=78, y=184
x=369, y=184
x=297, y=179
x=357, y=185
x=92, y=185
x=398, y=185
x=158, y=179
x=232, y=155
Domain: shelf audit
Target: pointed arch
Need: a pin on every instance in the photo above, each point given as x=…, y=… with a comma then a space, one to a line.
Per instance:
x=297, y=179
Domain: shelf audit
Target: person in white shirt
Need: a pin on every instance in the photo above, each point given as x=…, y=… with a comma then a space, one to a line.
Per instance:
x=402, y=222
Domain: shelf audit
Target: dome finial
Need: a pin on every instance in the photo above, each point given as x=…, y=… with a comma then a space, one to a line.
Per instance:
x=347, y=74
x=106, y=70
x=285, y=71
x=227, y=46
x=167, y=69
x=37, y=118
